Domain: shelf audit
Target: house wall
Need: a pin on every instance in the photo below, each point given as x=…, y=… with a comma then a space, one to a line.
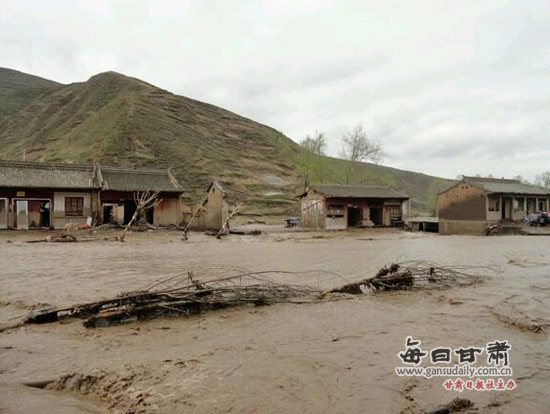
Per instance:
x=336, y=221
x=212, y=214
x=462, y=202
x=168, y=212
x=471, y=227
x=316, y=210
x=60, y=219
x=313, y=209
x=215, y=209
x=11, y=195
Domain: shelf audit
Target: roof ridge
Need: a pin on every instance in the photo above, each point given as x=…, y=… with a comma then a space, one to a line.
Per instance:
x=42, y=164
x=133, y=169
x=493, y=179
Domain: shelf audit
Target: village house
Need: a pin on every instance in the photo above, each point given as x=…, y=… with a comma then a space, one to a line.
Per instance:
x=51, y=195
x=474, y=203
x=213, y=210
x=338, y=207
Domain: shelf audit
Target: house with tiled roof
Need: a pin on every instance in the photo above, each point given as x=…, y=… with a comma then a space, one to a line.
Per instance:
x=473, y=204
x=51, y=195
x=338, y=207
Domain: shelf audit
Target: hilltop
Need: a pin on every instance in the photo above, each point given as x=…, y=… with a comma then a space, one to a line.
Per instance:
x=115, y=119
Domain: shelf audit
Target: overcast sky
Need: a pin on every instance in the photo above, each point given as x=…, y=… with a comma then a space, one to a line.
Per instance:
x=448, y=87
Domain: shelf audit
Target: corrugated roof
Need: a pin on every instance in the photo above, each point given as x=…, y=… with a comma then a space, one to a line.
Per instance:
x=358, y=191
x=125, y=179
x=19, y=174
x=507, y=186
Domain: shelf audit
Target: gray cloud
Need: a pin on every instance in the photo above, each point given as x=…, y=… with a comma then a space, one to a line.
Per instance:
x=447, y=87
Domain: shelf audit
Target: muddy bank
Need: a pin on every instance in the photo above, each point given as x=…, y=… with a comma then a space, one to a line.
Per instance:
x=326, y=357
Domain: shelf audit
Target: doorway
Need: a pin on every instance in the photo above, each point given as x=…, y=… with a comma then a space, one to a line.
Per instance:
x=22, y=216
x=32, y=214
x=377, y=216
x=506, y=208
x=107, y=213
x=355, y=216
x=130, y=208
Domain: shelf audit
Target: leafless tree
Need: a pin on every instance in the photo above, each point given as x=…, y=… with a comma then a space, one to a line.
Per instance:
x=315, y=143
x=356, y=147
x=543, y=179
x=144, y=201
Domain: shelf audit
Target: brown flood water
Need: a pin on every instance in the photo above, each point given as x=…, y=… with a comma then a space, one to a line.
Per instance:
x=333, y=357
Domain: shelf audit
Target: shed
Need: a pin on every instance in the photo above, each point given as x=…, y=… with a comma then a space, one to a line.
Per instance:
x=337, y=207
x=474, y=203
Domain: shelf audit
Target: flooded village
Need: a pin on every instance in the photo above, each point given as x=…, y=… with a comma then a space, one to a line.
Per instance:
x=314, y=350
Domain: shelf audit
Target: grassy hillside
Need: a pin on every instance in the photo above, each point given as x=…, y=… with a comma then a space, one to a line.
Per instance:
x=17, y=89
x=120, y=120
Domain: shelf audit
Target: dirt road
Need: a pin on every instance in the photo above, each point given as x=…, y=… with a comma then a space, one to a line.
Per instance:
x=333, y=357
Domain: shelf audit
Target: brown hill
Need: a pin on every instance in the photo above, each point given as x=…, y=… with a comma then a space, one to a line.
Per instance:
x=119, y=120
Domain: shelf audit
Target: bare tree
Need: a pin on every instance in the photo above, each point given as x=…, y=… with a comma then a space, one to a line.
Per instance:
x=543, y=179
x=315, y=143
x=144, y=201
x=356, y=147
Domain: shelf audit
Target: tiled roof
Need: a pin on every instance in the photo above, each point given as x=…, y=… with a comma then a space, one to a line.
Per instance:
x=506, y=186
x=358, y=191
x=19, y=174
x=124, y=179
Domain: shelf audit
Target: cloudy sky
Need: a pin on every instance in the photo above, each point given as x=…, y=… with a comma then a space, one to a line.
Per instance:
x=447, y=87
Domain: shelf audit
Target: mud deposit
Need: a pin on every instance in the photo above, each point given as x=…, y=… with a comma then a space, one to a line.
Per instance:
x=332, y=357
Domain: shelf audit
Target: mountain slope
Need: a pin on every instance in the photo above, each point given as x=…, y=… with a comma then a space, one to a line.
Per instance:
x=17, y=89
x=115, y=119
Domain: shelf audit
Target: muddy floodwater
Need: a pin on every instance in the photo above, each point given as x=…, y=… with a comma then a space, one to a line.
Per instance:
x=329, y=357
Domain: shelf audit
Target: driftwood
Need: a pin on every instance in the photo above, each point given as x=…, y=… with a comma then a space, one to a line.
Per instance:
x=246, y=232
x=187, y=295
x=412, y=275
x=225, y=225
x=144, y=201
x=185, y=235
x=63, y=238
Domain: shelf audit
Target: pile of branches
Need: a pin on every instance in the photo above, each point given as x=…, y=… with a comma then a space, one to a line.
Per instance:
x=193, y=297
x=414, y=274
x=186, y=295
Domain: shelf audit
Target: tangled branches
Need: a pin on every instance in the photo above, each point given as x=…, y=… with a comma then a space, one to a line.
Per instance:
x=414, y=274
x=186, y=295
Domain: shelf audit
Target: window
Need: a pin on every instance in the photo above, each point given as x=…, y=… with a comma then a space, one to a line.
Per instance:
x=494, y=204
x=74, y=206
x=335, y=211
x=395, y=212
x=519, y=204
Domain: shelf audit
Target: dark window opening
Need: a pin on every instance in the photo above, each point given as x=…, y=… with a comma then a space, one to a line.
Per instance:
x=74, y=206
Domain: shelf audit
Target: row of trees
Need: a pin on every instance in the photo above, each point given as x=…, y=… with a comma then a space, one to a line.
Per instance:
x=355, y=148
